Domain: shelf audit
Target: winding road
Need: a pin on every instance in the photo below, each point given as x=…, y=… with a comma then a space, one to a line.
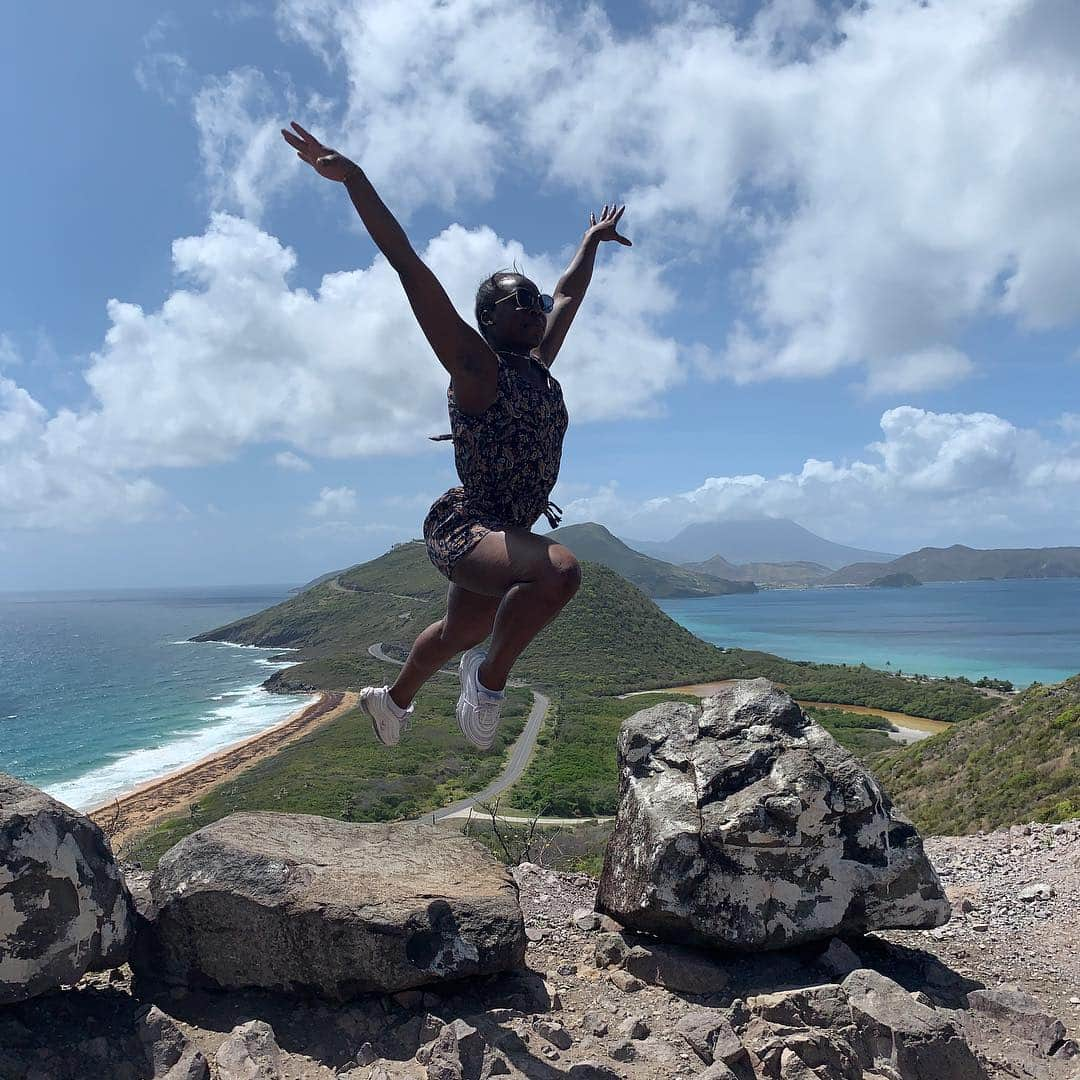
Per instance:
x=520, y=753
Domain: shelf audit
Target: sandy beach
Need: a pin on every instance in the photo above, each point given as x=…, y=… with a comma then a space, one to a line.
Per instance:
x=908, y=728
x=131, y=814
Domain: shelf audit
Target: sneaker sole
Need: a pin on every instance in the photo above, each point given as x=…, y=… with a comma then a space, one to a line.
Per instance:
x=374, y=727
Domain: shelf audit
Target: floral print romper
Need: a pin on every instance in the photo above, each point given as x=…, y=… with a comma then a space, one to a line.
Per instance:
x=507, y=458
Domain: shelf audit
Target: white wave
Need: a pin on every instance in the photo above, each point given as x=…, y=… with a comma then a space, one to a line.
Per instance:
x=254, y=710
x=277, y=663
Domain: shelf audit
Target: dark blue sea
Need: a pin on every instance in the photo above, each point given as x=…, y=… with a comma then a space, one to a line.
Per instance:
x=100, y=692
x=1024, y=631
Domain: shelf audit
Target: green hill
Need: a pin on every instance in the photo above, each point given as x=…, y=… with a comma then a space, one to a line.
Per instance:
x=895, y=581
x=1018, y=763
x=654, y=577
x=960, y=563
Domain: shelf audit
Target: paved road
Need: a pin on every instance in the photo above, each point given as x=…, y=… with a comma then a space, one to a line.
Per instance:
x=519, y=757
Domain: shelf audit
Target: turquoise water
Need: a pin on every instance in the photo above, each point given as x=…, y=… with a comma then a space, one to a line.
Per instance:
x=1024, y=631
x=100, y=692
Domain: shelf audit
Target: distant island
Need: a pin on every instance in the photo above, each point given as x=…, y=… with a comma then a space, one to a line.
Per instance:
x=895, y=581
x=960, y=563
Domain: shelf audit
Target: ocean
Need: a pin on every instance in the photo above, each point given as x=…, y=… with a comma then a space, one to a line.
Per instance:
x=1023, y=631
x=101, y=691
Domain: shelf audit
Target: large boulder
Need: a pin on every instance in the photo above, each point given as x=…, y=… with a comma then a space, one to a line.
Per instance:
x=743, y=824
x=296, y=903
x=64, y=909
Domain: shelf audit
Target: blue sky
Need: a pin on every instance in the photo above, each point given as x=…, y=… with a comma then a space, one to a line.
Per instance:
x=851, y=301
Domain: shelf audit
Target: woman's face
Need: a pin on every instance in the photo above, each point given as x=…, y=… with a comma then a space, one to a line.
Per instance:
x=516, y=318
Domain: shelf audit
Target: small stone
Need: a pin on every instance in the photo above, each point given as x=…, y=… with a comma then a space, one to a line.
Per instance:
x=634, y=1027
x=967, y=905
x=550, y=1053
x=535, y=933
x=250, y=1051
x=566, y=969
x=585, y=919
x=623, y=1051
x=1037, y=892
x=594, y=1024
x=839, y=958
x=555, y=1033
x=610, y=950
x=980, y=927
x=591, y=1070
x=626, y=982
x=366, y=1054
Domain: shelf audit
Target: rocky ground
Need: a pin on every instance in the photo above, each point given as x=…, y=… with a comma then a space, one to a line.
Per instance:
x=597, y=1004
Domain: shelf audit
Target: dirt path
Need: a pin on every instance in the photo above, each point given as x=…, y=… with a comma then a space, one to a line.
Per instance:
x=131, y=814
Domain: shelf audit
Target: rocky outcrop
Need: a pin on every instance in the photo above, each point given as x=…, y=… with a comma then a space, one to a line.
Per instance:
x=64, y=909
x=743, y=824
x=297, y=903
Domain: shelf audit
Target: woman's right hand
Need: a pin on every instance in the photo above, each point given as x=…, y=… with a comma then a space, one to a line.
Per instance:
x=322, y=159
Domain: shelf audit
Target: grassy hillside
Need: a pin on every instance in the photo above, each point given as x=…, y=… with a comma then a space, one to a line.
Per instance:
x=654, y=577
x=1017, y=763
x=611, y=639
x=342, y=771
x=959, y=563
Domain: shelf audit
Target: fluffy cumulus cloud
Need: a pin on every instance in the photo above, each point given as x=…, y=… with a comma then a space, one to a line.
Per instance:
x=943, y=475
x=236, y=356
x=894, y=169
x=339, y=502
x=42, y=486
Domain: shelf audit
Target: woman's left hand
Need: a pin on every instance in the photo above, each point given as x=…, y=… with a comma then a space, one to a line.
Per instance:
x=605, y=228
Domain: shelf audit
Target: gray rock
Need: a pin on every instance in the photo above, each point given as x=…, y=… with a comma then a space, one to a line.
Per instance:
x=623, y=1051
x=594, y=1024
x=1022, y=1014
x=591, y=1070
x=823, y=1007
x=554, y=1031
x=634, y=1027
x=585, y=919
x=1040, y=891
x=675, y=967
x=711, y=1037
x=64, y=908
x=250, y=1052
x=839, y=959
x=296, y=903
x=626, y=982
x=457, y=1054
x=610, y=949
x=748, y=800
x=919, y=1042
x=162, y=1040
x=192, y=1066
x=717, y=1071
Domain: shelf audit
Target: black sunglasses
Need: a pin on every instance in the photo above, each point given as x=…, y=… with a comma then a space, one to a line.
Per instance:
x=527, y=300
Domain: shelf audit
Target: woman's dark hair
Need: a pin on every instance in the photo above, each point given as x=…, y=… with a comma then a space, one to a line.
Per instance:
x=493, y=289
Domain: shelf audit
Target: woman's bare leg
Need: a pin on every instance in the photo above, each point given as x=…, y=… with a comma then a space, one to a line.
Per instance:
x=534, y=577
x=468, y=620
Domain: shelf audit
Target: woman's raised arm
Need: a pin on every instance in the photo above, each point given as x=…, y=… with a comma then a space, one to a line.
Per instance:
x=460, y=348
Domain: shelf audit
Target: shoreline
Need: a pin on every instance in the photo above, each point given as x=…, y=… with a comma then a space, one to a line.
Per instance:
x=128, y=815
x=911, y=728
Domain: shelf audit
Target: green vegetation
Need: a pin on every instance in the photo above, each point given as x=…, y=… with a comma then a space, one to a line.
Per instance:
x=863, y=734
x=342, y=771
x=610, y=640
x=653, y=576
x=1019, y=763
x=895, y=581
x=960, y=563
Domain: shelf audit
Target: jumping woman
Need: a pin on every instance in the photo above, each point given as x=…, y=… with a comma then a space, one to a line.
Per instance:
x=507, y=421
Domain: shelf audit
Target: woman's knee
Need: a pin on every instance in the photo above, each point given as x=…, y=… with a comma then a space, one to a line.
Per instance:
x=562, y=579
x=463, y=634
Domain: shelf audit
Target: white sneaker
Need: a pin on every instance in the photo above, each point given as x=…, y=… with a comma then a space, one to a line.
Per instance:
x=478, y=709
x=388, y=720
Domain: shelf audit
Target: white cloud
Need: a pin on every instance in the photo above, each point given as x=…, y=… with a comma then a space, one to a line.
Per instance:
x=928, y=369
x=896, y=169
x=933, y=476
x=337, y=502
x=9, y=355
x=239, y=120
x=41, y=487
x=286, y=459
